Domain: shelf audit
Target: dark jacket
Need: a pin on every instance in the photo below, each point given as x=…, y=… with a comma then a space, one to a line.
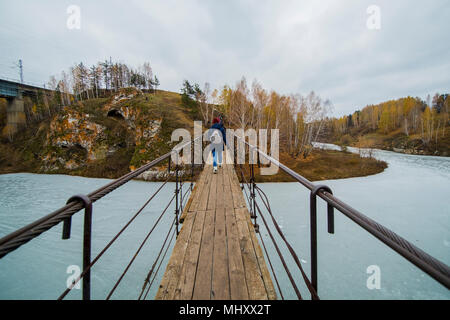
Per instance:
x=221, y=128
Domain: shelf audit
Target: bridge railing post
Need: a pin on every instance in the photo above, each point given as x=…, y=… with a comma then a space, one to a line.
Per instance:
x=176, y=199
x=253, y=197
x=192, y=165
x=313, y=229
x=87, y=239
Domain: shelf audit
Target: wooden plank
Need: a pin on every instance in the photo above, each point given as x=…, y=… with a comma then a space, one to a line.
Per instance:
x=237, y=192
x=227, y=196
x=255, y=284
x=270, y=289
x=220, y=276
x=212, y=192
x=185, y=287
x=203, y=201
x=238, y=284
x=219, y=189
x=198, y=191
x=217, y=254
x=188, y=204
x=173, y=269
x=202, y=285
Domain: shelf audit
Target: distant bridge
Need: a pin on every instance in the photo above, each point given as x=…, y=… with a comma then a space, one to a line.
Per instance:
x=14, y=92
x=12, y=89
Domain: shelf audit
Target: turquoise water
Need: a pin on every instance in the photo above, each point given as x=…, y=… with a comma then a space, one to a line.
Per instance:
x=411, y=198
x=38, y=270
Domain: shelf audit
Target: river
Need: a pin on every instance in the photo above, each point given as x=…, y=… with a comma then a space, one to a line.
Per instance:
x=411, y=197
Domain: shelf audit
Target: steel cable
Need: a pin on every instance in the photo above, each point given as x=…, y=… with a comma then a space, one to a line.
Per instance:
x=21, y=236
x=291, y=250
x=433, y=267
x=112, y=241
x=291, y=279
x=271, y=266
x=147, y=278
x=139, y=249
x=160, y=263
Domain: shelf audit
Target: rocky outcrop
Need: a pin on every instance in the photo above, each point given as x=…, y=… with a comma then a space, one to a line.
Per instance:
x=77, y=137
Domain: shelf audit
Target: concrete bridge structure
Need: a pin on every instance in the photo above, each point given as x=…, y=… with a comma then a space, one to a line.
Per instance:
x=14, y=92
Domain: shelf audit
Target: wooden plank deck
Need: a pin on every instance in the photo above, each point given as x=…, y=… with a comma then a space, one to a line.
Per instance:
x=216, y=255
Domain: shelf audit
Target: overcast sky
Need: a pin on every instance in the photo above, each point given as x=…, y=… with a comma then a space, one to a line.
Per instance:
x=289, y=46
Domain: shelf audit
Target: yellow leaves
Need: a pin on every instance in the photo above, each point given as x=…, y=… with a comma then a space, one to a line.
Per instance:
x=8, y=131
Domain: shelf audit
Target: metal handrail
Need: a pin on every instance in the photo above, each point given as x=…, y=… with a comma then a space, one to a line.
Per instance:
x=21, y=236
x=430, y=265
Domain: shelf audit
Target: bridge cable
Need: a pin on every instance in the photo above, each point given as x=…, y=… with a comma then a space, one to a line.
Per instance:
x=291, y=250
x=112, y=241
x=147, y=278
x=160, y=263
x=294, y=285
x=16, y=239
x=271, y=266
x=244, y=180
x=140, y=247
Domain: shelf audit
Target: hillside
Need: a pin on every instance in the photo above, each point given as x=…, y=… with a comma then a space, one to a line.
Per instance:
x=108, y=137
x=104, y=137
x=406, y=125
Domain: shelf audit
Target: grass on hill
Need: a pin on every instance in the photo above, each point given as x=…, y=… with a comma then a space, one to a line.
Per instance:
x=323, y=165
x=24, y=154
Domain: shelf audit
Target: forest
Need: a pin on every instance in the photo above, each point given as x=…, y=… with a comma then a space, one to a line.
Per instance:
x=299, y=119
x=405, y=123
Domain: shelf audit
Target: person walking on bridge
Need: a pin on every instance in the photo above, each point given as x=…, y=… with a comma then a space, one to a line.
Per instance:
x=218, y=138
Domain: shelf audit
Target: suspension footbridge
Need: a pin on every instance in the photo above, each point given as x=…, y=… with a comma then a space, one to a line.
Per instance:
x=219, y=252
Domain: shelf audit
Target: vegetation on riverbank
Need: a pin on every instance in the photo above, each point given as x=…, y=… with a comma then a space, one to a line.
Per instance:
x=108, y=137
x=321, y=165
x=408, y=125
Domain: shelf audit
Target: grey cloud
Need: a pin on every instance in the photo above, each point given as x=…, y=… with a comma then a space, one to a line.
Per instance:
x=290, y=46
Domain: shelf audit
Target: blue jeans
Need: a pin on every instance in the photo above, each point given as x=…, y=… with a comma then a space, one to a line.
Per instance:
x=219, y=149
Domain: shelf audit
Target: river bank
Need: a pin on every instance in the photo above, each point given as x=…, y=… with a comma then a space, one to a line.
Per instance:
x=399, y=142
x=409, y=197
x=323, y=164
x=319, y=165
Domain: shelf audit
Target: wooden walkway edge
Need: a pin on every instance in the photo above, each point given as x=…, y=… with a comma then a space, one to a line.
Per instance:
x=217, y=255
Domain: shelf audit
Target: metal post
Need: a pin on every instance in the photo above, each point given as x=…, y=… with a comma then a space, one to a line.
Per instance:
x=253, y=197
x=168, y=168
x=181, y=196
x=313, y=229
x=234, y=151
x=87, y=235
x=192, y=166
x=176, y=196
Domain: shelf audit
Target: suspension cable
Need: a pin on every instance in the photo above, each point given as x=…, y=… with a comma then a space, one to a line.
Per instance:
x=140, y=247
x=147, y=278
x=291, y=279
x=432, y=266
x=271, y=266
x=159, y=266
x=291, y=250
x=112, y=241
